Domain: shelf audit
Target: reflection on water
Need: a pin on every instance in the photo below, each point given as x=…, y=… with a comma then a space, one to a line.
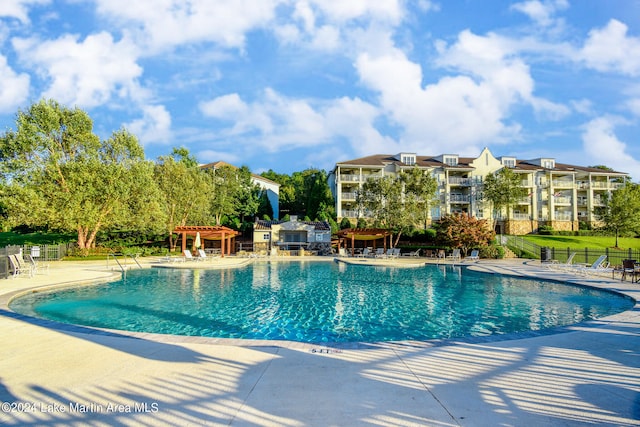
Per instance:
x=324, y=302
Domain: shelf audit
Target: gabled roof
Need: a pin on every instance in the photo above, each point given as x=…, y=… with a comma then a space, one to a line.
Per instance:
x=382, y=160
x=262, y=225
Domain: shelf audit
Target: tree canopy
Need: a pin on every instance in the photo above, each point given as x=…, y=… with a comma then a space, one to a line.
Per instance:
x=58, y=174
x=399, y=202
x=622, y=210
x=503, y=190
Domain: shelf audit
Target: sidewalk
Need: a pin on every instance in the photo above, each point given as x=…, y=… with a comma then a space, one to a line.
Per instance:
x=589, y=375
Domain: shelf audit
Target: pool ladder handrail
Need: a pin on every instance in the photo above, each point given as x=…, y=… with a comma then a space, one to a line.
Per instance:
x=115, y=257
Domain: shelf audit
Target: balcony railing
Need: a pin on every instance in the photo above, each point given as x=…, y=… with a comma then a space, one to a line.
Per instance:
x=350, y=178
x=459, y=181
x=459, y=198
x=562, y=200
x=563, y=184
x=562, y=216
x=349, y=196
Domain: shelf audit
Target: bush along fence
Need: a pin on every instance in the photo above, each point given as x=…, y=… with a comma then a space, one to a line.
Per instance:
x=38, y=252
x=583, y=256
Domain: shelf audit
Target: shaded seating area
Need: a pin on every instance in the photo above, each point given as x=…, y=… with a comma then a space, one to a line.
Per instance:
x=225, y=235
x=367, y=238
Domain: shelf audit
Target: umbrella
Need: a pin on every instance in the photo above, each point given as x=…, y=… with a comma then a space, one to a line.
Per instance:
x=197, y=242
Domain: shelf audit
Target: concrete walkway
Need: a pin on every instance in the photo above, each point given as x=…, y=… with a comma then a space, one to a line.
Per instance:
x=66, y=375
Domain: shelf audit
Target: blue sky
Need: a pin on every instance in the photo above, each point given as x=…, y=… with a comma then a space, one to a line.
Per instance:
x=292, y=84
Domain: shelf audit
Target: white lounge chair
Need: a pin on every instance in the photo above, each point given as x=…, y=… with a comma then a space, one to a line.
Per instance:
x=379, y=253
x=189, y=257
x=474, y=256
x=19, y=268
x=37, y=266
x=202, y=255
x=599, y=266
x=554, y=263
x=455, y=255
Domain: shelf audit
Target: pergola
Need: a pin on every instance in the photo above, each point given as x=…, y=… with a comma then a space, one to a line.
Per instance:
x=209, y=232
x=366, y=234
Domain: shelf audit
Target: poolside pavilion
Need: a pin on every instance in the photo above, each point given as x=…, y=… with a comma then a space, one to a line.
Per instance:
x=372, y=235
x=225, y=235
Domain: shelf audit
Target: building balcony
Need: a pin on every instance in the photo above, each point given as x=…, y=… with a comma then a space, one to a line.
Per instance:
x=459, y=198
x=562, y=200
x=349, y=196
x=453, y=180
x=562, y=216
x=563, y=184
x=350, y=178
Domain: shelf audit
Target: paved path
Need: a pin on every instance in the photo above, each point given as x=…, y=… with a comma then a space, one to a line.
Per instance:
x=589, y=375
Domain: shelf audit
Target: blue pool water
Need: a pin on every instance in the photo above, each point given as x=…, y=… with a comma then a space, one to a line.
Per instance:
x=323, y=302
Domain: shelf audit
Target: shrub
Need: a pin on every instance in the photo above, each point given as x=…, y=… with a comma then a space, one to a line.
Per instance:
x=345, y=223
x=546, y=230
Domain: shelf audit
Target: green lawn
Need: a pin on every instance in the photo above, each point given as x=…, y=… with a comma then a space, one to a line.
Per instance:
x=582, y=242
x=11, y=238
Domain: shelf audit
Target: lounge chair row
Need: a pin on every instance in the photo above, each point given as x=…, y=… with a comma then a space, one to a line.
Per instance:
x=20, y=266
x=599, y=266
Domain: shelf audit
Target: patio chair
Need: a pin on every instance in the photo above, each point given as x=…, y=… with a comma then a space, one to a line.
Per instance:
x=455, y=255
x=364, y=253
x=599, y=266
x=414, y=254
x=202, y=255
x=37, y=266
x=554, y=263
x=17, y=268
x=189, y=257
x=474, y=256
x=379, y=253
x=629, y=268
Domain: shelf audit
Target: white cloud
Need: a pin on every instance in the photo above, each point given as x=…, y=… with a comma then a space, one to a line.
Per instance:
x=603, y=147
x=610, y=49
x=541, y=12
x=153, y=127
x=163, y=24
x=276, y=122
x=464, y=111
x=342, y=11
x=19, y=9
x=209, y=156
x=86, y=73
x=14, y=87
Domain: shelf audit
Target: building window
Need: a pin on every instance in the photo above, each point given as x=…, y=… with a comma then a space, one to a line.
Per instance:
x=409, y=160
x=451, y=161
x=266, y=236
x=510, y=163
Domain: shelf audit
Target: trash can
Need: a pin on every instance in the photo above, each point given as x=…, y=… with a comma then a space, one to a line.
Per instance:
x=35, y=251
x=545, y=254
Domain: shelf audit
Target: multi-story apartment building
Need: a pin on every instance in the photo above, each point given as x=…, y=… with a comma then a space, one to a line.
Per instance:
x=560, y=195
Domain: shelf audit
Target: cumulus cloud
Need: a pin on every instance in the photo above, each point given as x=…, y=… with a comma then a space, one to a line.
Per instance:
x=276, y=122
x=87, y=73
x=154, y=126
x=14, y=87
x=19, y=9
x=168, y=23
x=602, y=146
x=541, y=12
x=611, y=49
x=464, y=110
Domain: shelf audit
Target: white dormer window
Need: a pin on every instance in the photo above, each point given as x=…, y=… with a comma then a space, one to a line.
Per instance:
x=408, y=159
x=509, y=162
x=451, y=160
x=548, y=163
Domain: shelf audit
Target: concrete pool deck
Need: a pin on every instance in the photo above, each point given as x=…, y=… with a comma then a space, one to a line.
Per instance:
x=588, y=374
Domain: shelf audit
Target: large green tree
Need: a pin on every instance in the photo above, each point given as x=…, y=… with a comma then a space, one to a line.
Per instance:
x=58, y=174
x=399, y=202
x=621, y=212
x=503, y=190
x=186, y=191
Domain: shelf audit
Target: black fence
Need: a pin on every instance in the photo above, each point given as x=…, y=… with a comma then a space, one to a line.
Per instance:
x=589, y=255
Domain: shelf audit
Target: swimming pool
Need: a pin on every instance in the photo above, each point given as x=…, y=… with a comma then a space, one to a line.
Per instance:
x=323, y=302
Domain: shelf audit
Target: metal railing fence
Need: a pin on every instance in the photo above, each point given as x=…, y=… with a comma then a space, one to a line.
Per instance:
x=582, y=256
x=39, y=252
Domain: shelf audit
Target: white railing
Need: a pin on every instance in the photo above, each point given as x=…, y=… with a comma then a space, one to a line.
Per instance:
x=350, y=178
x=349, y=196
x=563, y=183
x=459, y=181
x=459, y=198
x=562, y=200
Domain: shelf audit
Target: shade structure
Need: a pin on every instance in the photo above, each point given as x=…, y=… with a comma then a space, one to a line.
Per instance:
x=366, y=234
x=226, y=235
